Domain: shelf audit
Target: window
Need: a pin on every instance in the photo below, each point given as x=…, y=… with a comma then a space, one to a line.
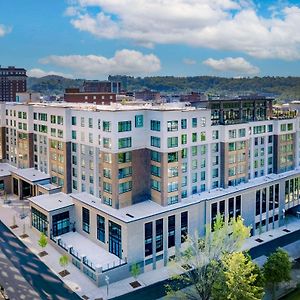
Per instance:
x=125, y=187
x=215, y=134
x=139, y=121
x=172, y=200
x=85, y=220
x=242, y=132
x=125, y=172
x=107, y=200
x=124, y=126
x=155, y=156
x=39, y=220
x=73, y=134
x=194, y=150
x=172, y=157
x=183, y=124
x=171, y=231
x=232, y=134
x=124, y=157
x=172, y=142
x=82, y=121
x=202, y=136
x=172, y=125
x=115, y=239
x=155, y=170
x=159, y=235
x=155, y=125
x=106, y=143
x=172, y=172
x=124, y=143
x=106, y=125
x=107, y=173
x=194, y=137
x=155, y=185
x=183, y=139
x=172, y=186
x=101, y=228
x=184, y=226
x=194, y=122
x=148, y=239
x=60, y=223
x=257, y=205
x=155, y=141
x=107, y=187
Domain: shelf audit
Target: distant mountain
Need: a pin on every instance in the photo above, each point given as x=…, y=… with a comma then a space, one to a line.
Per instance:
x=52, y=84
x=285, y=88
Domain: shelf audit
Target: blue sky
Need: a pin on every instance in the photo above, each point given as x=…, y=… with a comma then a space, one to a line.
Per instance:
x=94, y=38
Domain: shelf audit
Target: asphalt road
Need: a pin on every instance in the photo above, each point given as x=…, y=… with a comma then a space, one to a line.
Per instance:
x=157, y=290
x=38, y=276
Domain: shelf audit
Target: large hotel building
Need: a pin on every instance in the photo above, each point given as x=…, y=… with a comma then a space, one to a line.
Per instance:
x=117, y=185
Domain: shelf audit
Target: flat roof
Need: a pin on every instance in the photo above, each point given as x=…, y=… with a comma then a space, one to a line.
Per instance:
x=31, y=174
x=53, y=201
x=149, y=208
x=49, y=186
x=6, y=169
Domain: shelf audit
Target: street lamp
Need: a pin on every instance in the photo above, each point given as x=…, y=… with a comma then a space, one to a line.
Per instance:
x=107, y=285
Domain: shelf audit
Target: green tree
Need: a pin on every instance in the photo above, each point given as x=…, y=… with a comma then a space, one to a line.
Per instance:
x=43, y=241
x=277, y=269
x=239, y=279
x=64, y=261
x=135, y=271
x=202, y=257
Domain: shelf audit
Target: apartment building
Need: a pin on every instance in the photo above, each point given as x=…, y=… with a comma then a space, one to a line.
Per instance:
x=132, y=182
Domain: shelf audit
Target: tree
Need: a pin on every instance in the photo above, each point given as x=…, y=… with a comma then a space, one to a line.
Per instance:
x=64, y=261
x=202, y=257
x=135, y=271
x=239, y=279
x=43, y=241
x=277, y=269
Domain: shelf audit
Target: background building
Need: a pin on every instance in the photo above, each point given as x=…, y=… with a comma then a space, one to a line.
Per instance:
x=12, y=81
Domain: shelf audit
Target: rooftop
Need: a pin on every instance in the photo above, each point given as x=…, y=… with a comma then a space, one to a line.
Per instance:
x=6, y=169
x=52, y=202
x=31, y=174
x=180, y=106
x=149, y=208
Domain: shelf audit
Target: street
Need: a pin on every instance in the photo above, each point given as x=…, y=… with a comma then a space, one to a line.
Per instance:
x=35, y=277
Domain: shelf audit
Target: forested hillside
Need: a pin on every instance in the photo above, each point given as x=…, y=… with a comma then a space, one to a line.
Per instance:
x=282, y=87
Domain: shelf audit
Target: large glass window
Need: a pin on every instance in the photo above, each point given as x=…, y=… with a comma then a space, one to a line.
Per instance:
x=85, y=220
x=148, y=239
x=171, y=231
x=101, y=228
x=172, y=142
x=39, y=220
x=106, y=125
x=115, y=239
x=159, y=235
x=184, y=226
x=155, y=156
x=124, y=157
x=60, y=223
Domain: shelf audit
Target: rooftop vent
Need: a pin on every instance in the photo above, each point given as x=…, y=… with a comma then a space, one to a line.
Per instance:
x=129, y=215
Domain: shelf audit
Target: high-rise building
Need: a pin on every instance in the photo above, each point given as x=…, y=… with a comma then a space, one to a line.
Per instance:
x=12, y=81
x=136, y=180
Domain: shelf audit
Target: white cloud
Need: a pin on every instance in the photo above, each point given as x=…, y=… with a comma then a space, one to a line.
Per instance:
x=124, y=62
x=4, y=30
x=217, y=24
x=41, y=73
x=189, y=61
x=229, y=64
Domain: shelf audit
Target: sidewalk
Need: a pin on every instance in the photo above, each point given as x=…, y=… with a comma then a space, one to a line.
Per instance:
x=78, y=281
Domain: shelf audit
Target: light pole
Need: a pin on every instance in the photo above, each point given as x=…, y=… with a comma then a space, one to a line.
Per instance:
x=107, y=285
